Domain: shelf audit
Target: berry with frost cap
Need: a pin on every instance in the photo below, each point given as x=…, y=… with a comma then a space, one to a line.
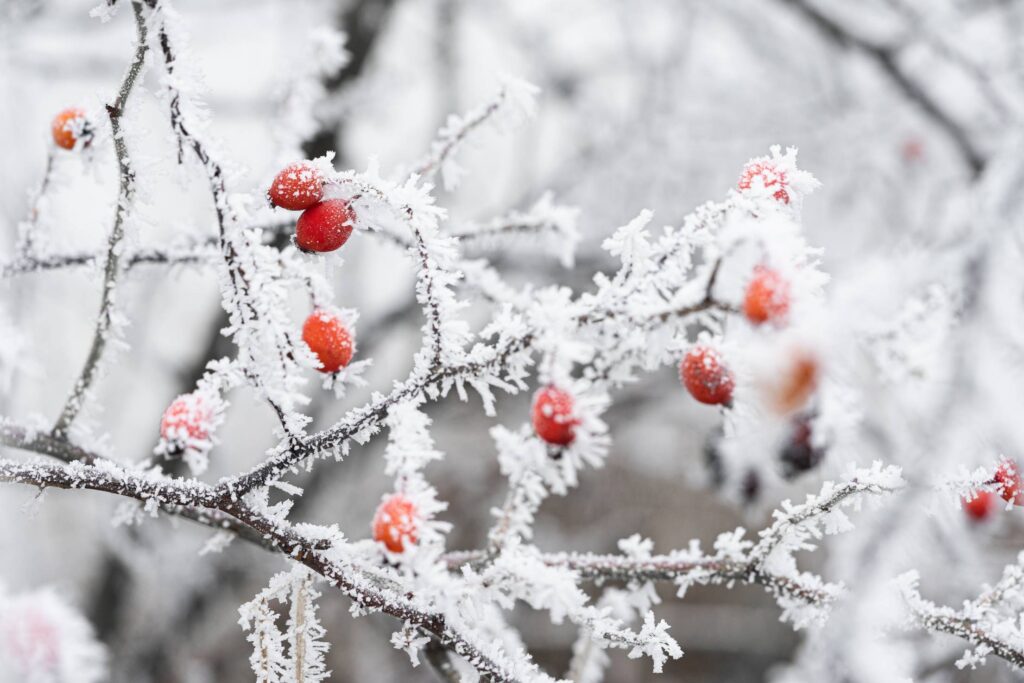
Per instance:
x=553, y=416
x=979, y=507
x=188, y=418
x=298, y=186
x=70, y=126
x=395, y=523
x=1010, y=487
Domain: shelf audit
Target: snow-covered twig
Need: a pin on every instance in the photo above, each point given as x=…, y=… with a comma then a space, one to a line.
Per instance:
x=112, y=270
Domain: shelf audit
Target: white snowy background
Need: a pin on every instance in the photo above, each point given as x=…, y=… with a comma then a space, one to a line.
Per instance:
x=907, y=111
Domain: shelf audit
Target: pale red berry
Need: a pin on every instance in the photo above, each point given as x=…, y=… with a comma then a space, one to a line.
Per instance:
x=771, y=177
x=325, y=226
x=32, y=640
x=68, y=126
x=188, y=417
x=799, y=380
x=1010, y=487
x=979, y=507
x=298, y=186
x=553, y=417
x=767, y=296
x=327, y=336
x=705, y=376
x=396, y=522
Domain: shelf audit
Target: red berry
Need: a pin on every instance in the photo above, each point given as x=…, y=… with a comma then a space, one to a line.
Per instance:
x=705, y=376
x=68, y=125
x=188, y=417
x=979, y=507
x=325, y=226
x=1010, y=487
x=298, y=186
x=553, y=418
x=769, y=174
x=395, y=522
x=913, y=150
x=32, y=639
x=328, y=337
x=767, y=297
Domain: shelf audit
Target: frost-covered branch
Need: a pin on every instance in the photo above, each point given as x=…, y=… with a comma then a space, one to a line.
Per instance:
x=112, y=270
x=991, y=623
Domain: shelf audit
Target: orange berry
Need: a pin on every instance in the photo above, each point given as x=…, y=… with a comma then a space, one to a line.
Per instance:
x=395, y=522
x=68, y=125
x=767, y=296
x=328, y=337
x=799, y=382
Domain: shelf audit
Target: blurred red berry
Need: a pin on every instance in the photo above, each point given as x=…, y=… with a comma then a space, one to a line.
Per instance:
x=325, y=226
x=189, y=417
x=1008, y=478
x=68, y=126
x=770, y=176
x=395, y=523
x=705, y=376
x=979, y=507
x=912, y=150
x=767, y=296
x=298, y=186
x=553, y=418
x=32, y=640
x=328, y=337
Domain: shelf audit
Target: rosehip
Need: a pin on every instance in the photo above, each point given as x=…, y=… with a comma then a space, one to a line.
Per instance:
x=298, y=186
x=1010, y=487
x=327, y=336
x=770, y=176
x=799, y=382
x=325, y=226
x=395, y=522
x=767, y=296
x=705, y=376
x=553, y=418
x=979, y=507
x=187, y=416
x=70, y=125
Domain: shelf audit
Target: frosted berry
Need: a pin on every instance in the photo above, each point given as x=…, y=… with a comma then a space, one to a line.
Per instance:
x=553, y=417
x=705, y=376
x=32, y=640
x=979, y=507
x=325, y=226
x=771, y=178
x=798, y=383
x=298, y=186
x=767, y=296
x=188, y=417
x=1010, y=487
x=327, y=336
x=69, y=126
x=395, y=523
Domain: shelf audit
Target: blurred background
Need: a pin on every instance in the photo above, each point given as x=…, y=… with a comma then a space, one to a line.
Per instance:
x=899, y=107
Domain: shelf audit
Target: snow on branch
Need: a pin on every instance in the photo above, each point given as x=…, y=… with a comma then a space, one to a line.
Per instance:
x=515, y=101
x=991, y=623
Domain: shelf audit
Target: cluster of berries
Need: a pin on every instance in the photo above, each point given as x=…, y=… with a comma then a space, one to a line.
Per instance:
x=325, y=224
